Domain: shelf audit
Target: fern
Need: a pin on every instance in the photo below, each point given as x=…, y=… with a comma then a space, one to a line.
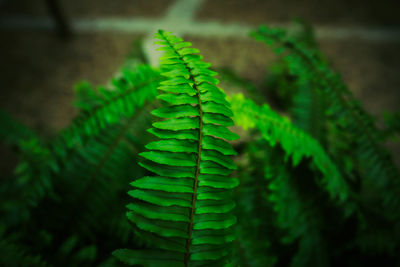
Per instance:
x=335, y=201
x=103, y=153
x=294, y=85
x=184, y=211
x=40, y=161
x=308, y=109
x=298, y=212
x=295, y=142
x=103, y=143
x=345, y=113
x=108, y=106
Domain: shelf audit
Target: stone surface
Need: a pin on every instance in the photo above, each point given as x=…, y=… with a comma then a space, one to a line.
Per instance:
x=88, y=8
x=369, y=69
x=339, y=12
x=39, y=71
x=246, y=57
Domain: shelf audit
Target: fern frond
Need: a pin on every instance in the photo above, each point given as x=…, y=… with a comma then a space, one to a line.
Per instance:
x=103, y=109
x=95, y=166
x=86, y=182
x=108, y=106
x=184, y=211
x=296, y=143
x=308, y=109
x=348, y=115
x=55, y=173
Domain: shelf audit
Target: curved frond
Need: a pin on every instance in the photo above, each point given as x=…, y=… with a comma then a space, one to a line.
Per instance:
x=296, y=143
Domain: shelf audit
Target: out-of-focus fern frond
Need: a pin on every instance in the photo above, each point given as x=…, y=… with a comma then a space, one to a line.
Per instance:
x=296, y=143
x=100, y=110
x=106, y=107
x=346, y=113
x=308, y=108
x=104, y=160
x=80, y=167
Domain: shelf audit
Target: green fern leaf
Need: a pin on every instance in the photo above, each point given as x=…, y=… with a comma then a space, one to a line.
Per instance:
x=368, y=156
x=108, y=106
x=295, y=142
x=184, y=213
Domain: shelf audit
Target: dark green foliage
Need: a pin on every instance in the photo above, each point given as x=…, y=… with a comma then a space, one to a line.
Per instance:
x=92, y=159
x=295, y=142
x=348, y=136
x=343, y=111
x=255, y=230
x=107, y=106
x=297, y=202
x=317, y=186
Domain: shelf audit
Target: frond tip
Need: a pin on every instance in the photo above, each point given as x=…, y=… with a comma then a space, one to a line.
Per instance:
x=184, y=211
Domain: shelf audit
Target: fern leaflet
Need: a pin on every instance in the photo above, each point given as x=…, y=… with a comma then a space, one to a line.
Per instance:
x=294, y=141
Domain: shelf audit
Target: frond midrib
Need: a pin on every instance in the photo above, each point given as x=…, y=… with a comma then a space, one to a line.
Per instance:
x=198, y=160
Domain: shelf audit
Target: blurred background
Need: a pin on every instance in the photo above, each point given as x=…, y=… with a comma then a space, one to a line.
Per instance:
x=47, y=46
x=59, y=201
